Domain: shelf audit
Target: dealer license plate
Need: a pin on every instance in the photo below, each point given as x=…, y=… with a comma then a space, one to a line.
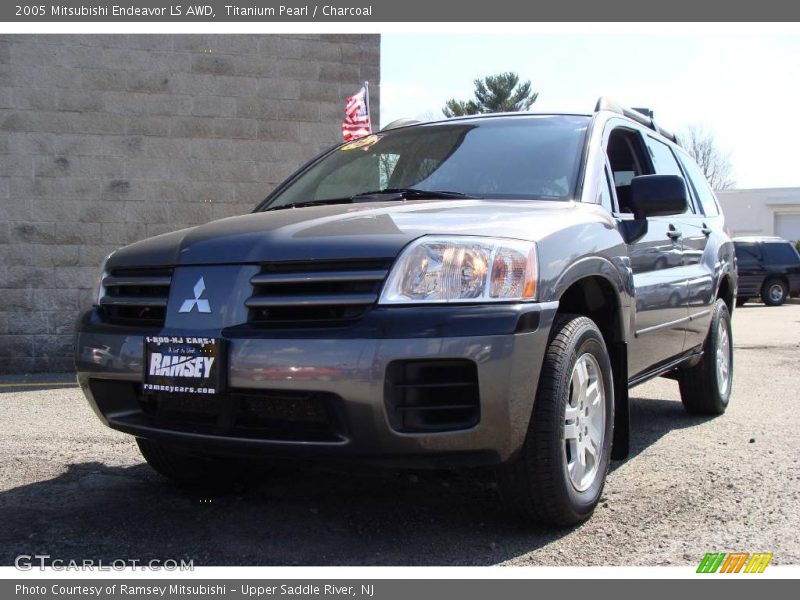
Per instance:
x=183, y=365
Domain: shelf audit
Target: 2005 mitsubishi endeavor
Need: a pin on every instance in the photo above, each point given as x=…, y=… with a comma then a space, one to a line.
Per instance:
x=476, y=291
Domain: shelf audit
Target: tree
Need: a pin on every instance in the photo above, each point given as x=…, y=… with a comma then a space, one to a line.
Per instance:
x=716, y=165
x=495, y=93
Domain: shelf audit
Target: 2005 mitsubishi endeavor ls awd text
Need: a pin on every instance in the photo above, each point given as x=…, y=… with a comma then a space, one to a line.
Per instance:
x=475, y=291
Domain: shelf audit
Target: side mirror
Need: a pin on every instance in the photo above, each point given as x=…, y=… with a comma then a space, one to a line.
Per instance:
x=658, y=196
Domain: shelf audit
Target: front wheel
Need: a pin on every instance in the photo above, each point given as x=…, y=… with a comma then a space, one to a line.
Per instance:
x=706, y=387
x=559, y=474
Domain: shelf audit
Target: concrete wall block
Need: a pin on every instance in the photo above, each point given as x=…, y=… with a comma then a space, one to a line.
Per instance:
x=229, y=44
x=150, y=81
x=213, y=106
x=103, y=79
x=47, y=209
x=33, y=233
x=27, y=323
x=280, y=89
x=74, y=277
x=77, y=233
x=297, y=110
x=145, y=125
x=146, y=213
x=279, y=131
x=15, y=347
x=340, y=73
x=233, y=170
x=33, y=98
x=235, y=128
x=56, y=299
x=146, y=168
x=192, y=127
x=16, y=165
x=169, y=104
x=122, y=234
x=16, y=300
x=29, y=278
x=299, y=69
x=258, y=108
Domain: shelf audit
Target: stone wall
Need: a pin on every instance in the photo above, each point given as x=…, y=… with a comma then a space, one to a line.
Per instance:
x=108, y=139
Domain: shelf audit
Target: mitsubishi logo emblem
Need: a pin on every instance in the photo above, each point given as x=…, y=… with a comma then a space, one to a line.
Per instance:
x=202, y=304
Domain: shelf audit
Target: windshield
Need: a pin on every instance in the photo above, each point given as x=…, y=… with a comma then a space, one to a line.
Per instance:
x=525, y=157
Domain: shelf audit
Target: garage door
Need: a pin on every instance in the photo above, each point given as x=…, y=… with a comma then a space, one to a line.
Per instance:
x=788, y=227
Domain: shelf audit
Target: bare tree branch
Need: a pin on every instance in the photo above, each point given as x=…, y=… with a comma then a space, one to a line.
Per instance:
x=716, y=165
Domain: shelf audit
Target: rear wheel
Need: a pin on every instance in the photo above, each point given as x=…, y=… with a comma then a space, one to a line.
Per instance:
x=774, y=292
x=559, y=474
x=189, y=470
x=706, y=387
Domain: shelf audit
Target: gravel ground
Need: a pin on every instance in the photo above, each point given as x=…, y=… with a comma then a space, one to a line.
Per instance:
x=73, y=489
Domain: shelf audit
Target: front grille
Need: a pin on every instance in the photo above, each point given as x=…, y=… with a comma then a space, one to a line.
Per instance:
x=432, y=395
x=256, y=414
x=136, y=297
x=315, y=292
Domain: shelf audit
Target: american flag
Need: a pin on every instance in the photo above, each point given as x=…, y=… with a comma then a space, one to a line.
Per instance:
x=356, y=122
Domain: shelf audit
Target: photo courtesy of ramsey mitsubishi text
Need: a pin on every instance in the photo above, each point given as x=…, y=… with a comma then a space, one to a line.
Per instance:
x=381, y=300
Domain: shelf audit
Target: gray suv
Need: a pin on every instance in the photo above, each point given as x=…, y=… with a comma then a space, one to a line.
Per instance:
x=476, y=291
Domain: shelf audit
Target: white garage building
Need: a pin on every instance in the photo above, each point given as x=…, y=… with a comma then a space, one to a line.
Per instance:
x=766, y=211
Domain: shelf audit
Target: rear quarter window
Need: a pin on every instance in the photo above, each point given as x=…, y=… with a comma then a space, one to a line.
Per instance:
x=702, y=190
x=780, y=253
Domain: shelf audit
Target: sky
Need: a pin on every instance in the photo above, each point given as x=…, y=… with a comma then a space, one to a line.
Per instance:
x=744, y=88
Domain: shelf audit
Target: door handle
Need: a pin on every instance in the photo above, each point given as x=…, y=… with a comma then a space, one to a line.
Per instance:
x=674, y=234
x=706, y=230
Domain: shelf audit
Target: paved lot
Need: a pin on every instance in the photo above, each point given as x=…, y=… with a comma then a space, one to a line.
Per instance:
x=73, y=489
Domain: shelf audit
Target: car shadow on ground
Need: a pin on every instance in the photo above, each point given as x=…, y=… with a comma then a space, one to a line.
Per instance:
x=286, y=516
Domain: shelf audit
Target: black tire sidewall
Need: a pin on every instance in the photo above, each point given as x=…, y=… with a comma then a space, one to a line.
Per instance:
x=586, y=339
x=720, y=313
x=768, y=299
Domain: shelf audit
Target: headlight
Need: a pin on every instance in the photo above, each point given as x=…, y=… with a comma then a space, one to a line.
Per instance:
x=436, y=269
x=98, y=291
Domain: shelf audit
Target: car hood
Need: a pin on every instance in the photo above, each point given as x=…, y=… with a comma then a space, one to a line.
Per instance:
x=349, y=231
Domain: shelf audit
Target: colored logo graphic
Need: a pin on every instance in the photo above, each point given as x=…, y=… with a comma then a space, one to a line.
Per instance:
x=734, y=562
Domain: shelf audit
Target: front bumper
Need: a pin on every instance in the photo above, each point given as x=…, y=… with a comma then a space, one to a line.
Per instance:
x=505, y=343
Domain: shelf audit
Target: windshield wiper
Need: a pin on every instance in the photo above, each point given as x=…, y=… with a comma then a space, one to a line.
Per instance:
x=416, y=194
x=384, y=195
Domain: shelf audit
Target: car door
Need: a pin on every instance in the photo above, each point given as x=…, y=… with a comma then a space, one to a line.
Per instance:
x=656, y=261
x=750, y=267
x=698, y=267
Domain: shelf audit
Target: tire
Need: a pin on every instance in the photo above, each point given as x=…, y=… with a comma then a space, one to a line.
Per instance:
x=706, y=387
x=538, y=484
x=741, y=302
x=774, y=292
x=187, y=470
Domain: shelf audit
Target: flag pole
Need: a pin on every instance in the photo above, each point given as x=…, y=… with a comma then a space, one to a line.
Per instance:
x=369, y=112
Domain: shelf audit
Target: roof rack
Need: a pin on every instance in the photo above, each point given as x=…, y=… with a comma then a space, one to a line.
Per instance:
x=644, y=116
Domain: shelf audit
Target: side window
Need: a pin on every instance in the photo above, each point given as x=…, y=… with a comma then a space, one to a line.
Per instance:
x=664, y=160
x=627, y=158
x=748, y=255
x=780, y=253
x=701, y=188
